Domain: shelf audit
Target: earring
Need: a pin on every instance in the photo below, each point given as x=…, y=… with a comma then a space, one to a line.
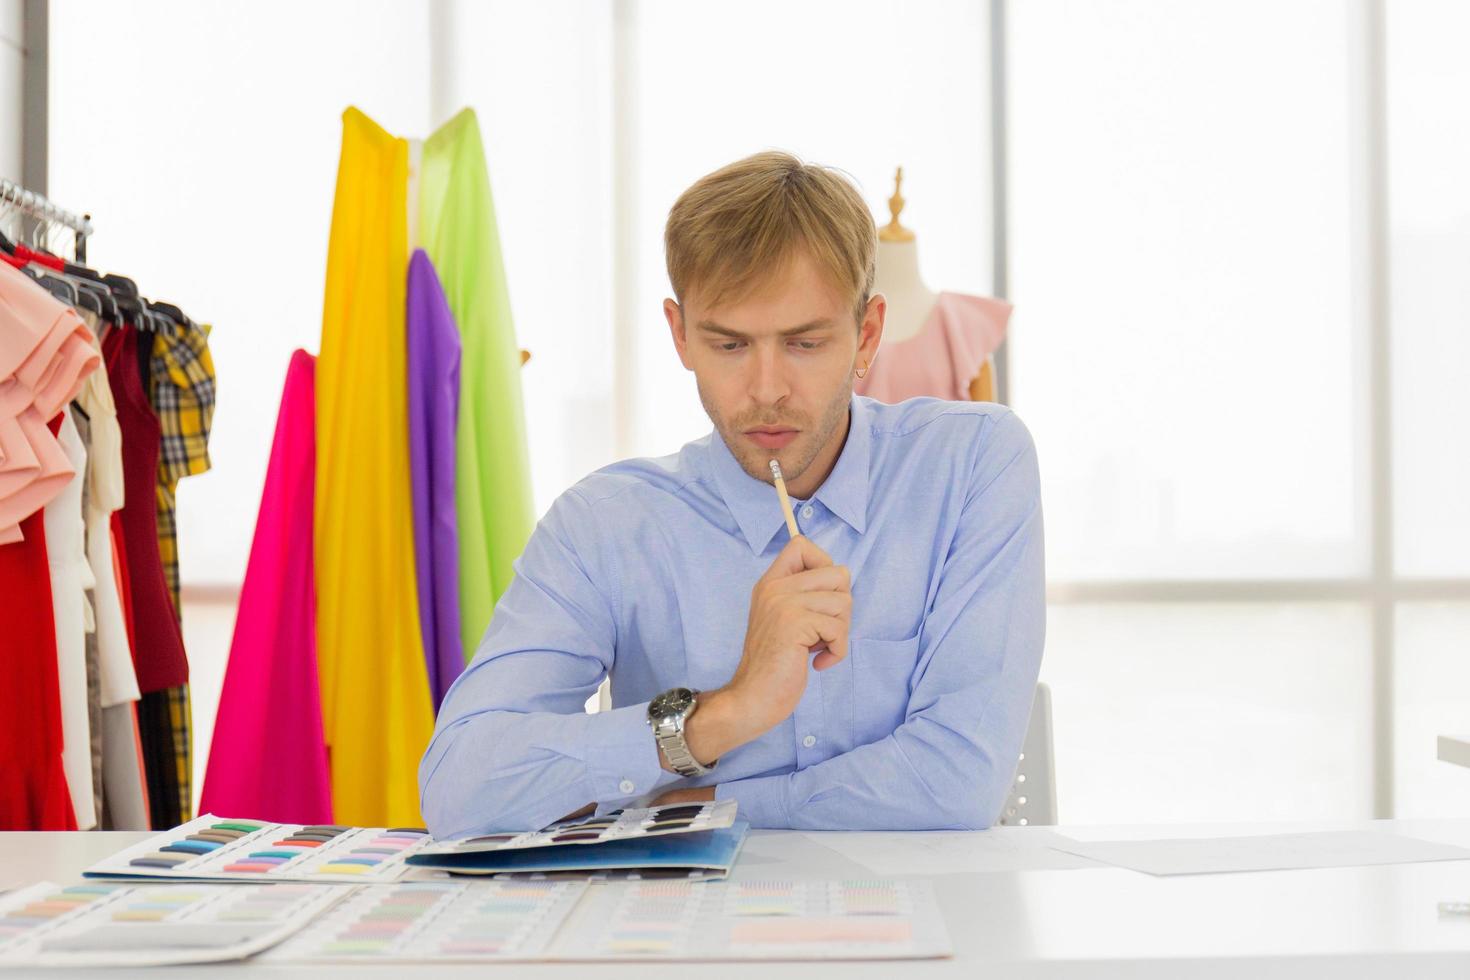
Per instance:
x=863, y=373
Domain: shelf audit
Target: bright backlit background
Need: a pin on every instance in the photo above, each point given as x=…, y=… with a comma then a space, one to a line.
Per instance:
x=1240, y=336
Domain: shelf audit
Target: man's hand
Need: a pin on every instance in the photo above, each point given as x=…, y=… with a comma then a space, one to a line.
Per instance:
x=801, y=605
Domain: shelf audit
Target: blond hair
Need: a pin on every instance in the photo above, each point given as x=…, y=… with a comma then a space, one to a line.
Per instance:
x=737, y=227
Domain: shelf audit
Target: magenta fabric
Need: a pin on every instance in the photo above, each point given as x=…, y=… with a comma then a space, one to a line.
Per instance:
x=433, y=412
x=269, y=759
x=945, y=355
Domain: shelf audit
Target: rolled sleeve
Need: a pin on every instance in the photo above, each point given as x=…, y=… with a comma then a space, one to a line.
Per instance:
x=760, y=800
x=622, y=756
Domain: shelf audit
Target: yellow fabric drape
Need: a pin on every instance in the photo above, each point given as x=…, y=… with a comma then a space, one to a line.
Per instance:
x=376, y=711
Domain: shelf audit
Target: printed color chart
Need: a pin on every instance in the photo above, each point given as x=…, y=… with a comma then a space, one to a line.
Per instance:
x=155, y=924
x=438, y=921
x=211, y=847
x=761, y=920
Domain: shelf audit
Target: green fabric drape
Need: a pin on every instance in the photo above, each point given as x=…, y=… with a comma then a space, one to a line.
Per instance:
x=493, y=475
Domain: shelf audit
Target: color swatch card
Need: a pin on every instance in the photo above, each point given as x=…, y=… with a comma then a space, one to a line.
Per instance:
x=674, y=818
x=153, y=924
x=211, y=848
x=760, y=920
x=701, y=855
x=437, y=921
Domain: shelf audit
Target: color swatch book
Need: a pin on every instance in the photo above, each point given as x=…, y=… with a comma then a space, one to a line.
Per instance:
x=153, y=924
x=759, y=920
x=673, y=818
x=697, y=841
x=211, y=848
x=437, y=921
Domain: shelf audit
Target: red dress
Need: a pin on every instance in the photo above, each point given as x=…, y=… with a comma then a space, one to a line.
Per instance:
x=33, y=793
x=158, y=653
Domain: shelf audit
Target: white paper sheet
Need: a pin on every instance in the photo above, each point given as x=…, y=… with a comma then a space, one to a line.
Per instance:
x=1272, y=852
x=952, y=852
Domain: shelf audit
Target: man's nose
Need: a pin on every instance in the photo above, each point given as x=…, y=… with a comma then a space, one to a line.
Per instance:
x=768, y=384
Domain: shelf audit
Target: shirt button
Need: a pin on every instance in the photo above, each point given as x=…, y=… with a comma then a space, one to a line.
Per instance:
x=806, y=511
x=809, y=741
x=626, y=786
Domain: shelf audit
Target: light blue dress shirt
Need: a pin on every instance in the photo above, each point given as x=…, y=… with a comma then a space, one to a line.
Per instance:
x=643, y=571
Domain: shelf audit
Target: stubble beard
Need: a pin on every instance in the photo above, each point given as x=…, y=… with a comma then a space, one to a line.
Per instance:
x=808, y=444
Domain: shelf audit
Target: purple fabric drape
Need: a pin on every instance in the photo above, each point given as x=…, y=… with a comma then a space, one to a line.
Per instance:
x=433, y=412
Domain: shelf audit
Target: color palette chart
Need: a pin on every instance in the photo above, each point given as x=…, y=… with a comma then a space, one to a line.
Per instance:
x=674, y=818
x=210, y=847
x=438, y=921
x=32, y=912
x=155, y=924
x=760, y=920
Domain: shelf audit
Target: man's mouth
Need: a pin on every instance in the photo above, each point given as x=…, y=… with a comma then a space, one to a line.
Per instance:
x=771, y=436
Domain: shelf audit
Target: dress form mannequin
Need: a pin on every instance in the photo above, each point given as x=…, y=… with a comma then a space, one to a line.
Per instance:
x=911, y=302
x=909, y=299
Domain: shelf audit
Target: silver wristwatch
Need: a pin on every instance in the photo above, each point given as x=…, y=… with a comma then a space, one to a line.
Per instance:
x=667, y=714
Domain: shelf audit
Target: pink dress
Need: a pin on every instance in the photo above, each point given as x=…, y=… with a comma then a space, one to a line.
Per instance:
x=944, y=356
x=269, y=759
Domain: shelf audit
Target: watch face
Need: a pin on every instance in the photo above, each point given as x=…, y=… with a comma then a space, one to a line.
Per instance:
x=674, y=702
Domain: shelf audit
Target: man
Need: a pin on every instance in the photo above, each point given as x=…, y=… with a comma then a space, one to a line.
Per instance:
x=874, y=672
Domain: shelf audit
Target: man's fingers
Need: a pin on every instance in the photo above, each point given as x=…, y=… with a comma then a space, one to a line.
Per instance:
x=811, y=555
x=799, y=555
x=826, y=602
x=828, y=632
x=833, y=578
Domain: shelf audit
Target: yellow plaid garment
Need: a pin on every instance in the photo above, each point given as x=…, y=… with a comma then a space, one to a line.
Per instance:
x=182, y=390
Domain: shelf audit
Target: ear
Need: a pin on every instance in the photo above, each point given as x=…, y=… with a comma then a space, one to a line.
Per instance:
x=870, y=331
x=675, y=315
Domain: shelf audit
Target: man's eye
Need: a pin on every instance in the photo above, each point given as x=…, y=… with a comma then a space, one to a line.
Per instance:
x=808, y=344
x=732, y=345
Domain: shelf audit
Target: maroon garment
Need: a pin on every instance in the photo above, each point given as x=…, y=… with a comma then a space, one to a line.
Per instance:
x=158, y=648
x=33, y=793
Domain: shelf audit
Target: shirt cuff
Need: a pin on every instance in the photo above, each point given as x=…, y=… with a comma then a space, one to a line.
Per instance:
x=760, y=801
x=622, y=757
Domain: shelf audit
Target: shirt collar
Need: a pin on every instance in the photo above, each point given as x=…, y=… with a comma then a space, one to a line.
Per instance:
x=755, y=506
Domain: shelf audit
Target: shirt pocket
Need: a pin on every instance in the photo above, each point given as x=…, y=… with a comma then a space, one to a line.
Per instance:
x=882, y=672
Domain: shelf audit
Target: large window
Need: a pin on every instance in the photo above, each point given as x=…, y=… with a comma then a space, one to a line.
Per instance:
x=1242, y=500
x=1235, y=235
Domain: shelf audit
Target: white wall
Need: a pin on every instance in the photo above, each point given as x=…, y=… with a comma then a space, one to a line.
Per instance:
x=12, y=55
x=210, y=177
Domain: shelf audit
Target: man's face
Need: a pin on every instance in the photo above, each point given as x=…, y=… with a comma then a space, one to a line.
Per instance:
x=774, y=371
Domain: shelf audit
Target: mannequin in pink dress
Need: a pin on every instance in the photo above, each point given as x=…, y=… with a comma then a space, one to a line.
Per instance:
x=935, y=344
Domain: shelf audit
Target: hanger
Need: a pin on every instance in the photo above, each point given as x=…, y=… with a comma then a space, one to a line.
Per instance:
x=168, y=319
x=169, y=310
x=8, y=205
x=59, y=288
x=121, y=284
x=109, y=309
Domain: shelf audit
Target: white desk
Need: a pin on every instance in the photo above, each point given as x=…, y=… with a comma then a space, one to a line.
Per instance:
x=1017, y=910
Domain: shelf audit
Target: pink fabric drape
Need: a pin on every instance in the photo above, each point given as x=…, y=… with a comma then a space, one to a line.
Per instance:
x=268, y=759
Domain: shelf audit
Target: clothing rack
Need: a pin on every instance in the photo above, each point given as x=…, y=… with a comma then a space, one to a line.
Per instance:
x=41, y=209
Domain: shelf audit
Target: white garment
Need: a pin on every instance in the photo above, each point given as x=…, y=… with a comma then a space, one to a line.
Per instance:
x=104, y=450
x=105, y=495
x=122, y=770
x=71, y=576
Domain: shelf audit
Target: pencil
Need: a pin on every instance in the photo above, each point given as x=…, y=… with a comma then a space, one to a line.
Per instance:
x=785, y=500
